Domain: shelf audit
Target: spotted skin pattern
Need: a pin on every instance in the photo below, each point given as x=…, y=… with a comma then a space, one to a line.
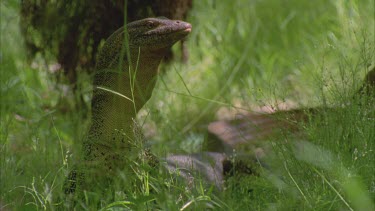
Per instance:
x=107, y=147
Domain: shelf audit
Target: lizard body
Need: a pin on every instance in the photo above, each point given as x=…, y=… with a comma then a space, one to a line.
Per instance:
x=107, y=146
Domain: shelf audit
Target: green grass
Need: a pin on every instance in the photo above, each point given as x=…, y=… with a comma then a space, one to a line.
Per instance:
x=244, y=53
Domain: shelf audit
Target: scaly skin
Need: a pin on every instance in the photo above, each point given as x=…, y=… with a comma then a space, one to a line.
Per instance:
x=107, y=146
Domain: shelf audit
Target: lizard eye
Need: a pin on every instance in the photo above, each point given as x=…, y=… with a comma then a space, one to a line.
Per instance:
x=150, y=24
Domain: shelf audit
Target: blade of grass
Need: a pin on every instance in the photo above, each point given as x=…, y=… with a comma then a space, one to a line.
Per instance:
x=296, y=184
x=333, y=188
x=114, y=92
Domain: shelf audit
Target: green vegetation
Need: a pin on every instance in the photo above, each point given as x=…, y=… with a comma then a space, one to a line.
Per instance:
x=243, y=54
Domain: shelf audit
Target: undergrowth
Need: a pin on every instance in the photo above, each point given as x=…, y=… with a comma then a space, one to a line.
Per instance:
x=243, y=54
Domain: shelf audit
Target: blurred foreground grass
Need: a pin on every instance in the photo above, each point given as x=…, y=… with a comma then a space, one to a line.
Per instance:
x=243, y=53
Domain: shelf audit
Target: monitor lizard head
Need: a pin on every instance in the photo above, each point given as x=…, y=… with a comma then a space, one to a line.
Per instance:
x=156, y=33
x=150, y=35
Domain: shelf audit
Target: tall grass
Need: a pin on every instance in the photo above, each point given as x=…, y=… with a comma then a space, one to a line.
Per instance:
x=251, y=53
x=243, y=53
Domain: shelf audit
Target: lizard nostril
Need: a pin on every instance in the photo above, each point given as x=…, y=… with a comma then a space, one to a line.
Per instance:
x=177, y=21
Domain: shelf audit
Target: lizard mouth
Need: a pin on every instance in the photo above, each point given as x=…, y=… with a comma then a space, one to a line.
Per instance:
x=185, y=30
x=188, y=30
